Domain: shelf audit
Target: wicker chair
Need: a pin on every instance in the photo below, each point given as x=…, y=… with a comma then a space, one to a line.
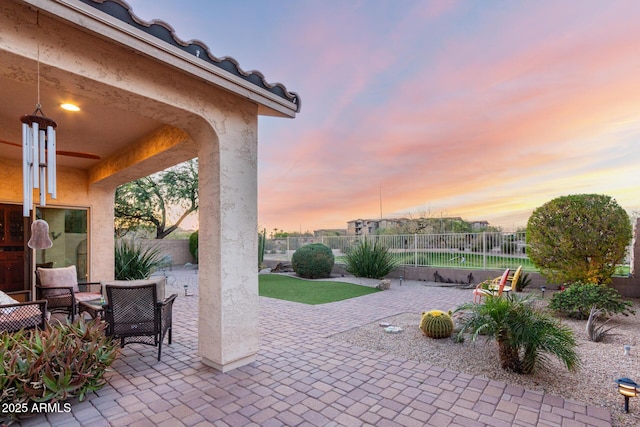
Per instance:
x=60, y=287
x=134, y=315
x=23, y=315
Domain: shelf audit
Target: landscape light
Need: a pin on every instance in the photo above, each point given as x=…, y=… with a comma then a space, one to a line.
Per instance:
x=628, y=388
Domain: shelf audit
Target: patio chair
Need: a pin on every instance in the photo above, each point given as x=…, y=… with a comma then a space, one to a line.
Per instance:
x=60, y=287
x=16, y=315
x=513, y=280
x=134, y=314
x=484, y=288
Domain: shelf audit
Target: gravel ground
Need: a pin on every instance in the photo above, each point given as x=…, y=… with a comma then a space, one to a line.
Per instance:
x=593, y=383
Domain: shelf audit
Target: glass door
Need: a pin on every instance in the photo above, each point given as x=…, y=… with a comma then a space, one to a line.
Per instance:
x=69, y=232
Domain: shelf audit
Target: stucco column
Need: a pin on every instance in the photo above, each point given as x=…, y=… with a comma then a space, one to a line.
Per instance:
x=635, y=249
x=227, y=246
x=101, y=239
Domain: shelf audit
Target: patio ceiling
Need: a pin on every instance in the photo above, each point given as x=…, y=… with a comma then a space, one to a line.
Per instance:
x=98, y=128
x=111, y=120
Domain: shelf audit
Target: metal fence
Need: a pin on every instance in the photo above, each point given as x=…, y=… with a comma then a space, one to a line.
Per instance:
x=478, y=251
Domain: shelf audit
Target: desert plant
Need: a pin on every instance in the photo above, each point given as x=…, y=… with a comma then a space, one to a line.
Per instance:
x=578, y=298
x=313, y=261
x=525, y=335
x=595, y=332
x=132, y=262
x=372, y=260
x=63, y=361
x=436, y=324
x=261, y=245
x=578, y=237
x=523, y=281
x=193, y=245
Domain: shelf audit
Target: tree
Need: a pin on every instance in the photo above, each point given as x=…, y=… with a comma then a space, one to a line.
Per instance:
x=147, y=202
x=578, y=238
x=525, y=334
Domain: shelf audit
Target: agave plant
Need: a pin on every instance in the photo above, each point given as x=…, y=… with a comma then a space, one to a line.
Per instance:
x=372, y=260
x=133, y=262
x=525, y=335
x=595, y=332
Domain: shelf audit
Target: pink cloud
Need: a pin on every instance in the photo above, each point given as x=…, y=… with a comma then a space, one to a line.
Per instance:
x=468, y=120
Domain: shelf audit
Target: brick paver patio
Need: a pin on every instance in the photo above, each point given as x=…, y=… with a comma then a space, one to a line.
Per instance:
x=304, y=378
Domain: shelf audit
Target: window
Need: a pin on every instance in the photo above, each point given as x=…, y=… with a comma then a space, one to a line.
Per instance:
x=68, y=232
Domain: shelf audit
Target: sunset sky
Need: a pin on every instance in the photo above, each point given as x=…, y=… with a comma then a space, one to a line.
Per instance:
x=479, y=109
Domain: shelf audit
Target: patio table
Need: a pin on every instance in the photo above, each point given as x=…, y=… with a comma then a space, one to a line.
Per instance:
x=94, y=307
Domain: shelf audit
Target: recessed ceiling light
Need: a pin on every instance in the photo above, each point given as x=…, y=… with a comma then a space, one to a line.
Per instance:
x=70, y=107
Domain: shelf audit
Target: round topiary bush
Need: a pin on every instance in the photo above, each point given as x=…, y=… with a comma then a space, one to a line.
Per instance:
x=436, y=324
x=313, y=261
x=579, y=237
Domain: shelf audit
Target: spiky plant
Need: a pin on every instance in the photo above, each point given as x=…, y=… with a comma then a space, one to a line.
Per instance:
x=525, y=335
x=523, y=281
x=595, y=332
x=436, y=324
x=372, y=260
x=262, y=241
x=133, y=262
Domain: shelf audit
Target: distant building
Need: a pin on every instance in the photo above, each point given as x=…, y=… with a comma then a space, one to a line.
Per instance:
x=330, y=232
x=364, y=227
x=479, y=225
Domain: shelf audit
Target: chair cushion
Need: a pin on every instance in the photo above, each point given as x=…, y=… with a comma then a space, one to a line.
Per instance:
x=58, y=277
x=87, y=296
x=159, y=281
x=6, y=299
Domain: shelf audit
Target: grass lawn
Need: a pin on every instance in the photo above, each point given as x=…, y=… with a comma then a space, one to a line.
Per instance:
x=308, y=291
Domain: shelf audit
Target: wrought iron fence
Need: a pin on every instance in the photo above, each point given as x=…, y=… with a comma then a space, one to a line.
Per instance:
x=478, y=251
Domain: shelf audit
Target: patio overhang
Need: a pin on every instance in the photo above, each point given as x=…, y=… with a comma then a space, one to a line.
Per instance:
x=115, y=21
x=147, y=101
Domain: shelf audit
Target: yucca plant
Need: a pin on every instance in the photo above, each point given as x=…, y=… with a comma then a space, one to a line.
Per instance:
x=595, y=332
x=372, y=260
x=133, y=262
x=262, y=241
x=525, y=335
x=523, y=281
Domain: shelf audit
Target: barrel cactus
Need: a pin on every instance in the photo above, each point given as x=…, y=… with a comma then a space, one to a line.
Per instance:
x=436, y=324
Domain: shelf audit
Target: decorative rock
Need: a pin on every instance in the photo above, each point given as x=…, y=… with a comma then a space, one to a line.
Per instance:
x=384, y=284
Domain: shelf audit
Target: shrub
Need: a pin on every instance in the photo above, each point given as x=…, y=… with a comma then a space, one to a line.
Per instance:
x=133, y=263
x=436, y=324
x=577, y=299
x=578, y=238
x=61, y=362
x=193, y=245
x=313, y=261
x=372, y=260
x=524, y=334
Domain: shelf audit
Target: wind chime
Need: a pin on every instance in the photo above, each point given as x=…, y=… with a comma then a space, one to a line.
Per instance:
x=38, y=153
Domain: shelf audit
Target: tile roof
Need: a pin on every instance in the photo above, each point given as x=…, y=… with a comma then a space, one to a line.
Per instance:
x=163, y=31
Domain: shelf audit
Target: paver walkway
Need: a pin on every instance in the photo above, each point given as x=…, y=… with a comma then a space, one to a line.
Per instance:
x=304, y=378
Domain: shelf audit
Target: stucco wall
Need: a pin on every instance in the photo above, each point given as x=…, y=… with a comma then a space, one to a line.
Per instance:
x=627, y=286
x=195, y=119
x=177, y=249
